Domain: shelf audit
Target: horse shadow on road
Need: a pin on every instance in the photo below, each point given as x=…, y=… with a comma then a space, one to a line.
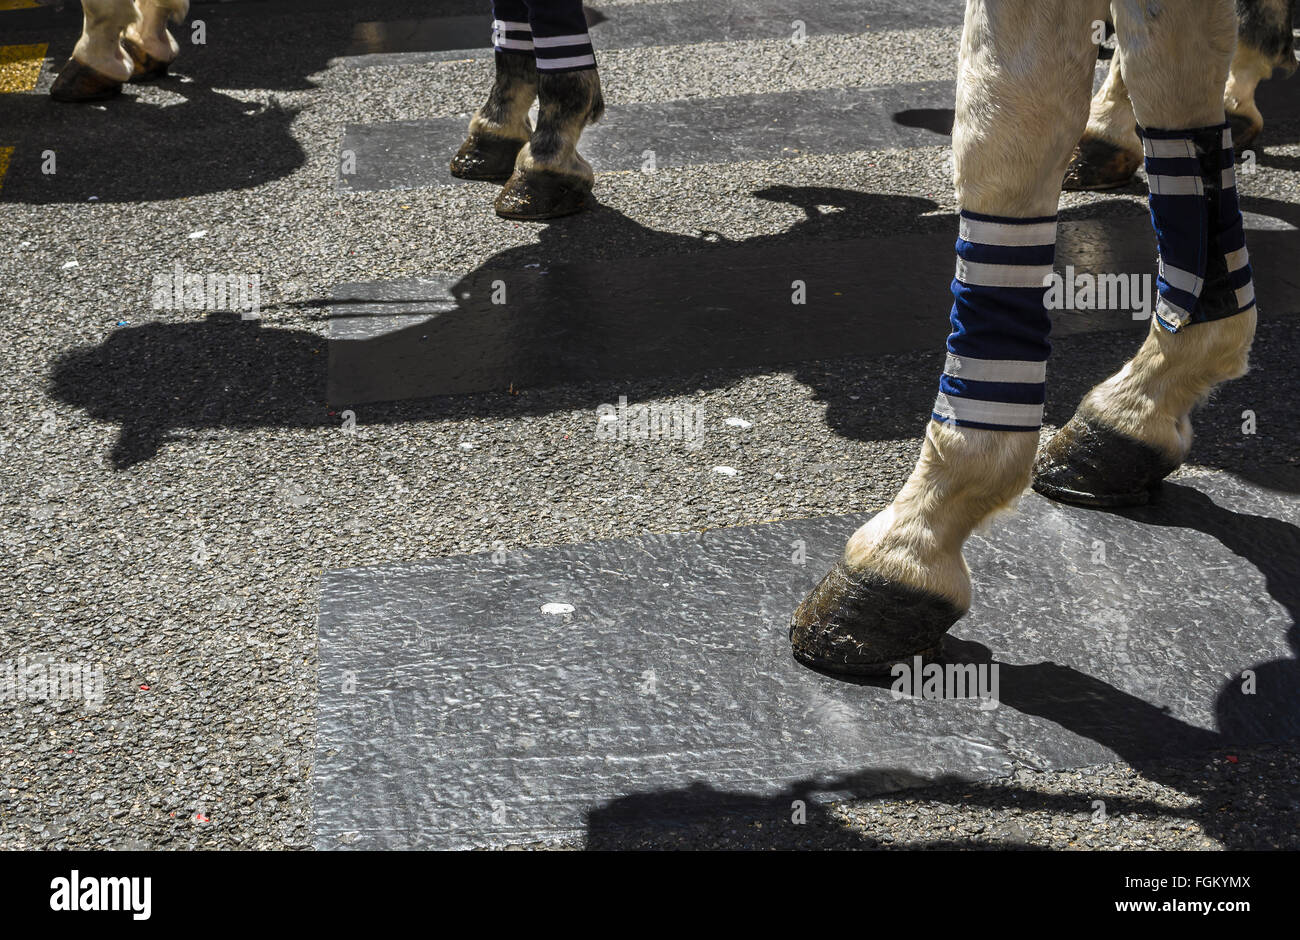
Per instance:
x=225, y=371
x=661, y=335
x=132, y=151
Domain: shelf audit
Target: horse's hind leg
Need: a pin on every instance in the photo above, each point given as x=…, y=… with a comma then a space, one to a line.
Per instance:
x=1109, y=151
x=1024, y=81
x=151, y=47
x=1264, y=43
x=1134, y=428
x=550, y=177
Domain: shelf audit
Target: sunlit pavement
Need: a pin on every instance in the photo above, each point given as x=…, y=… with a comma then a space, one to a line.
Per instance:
x=181, y=481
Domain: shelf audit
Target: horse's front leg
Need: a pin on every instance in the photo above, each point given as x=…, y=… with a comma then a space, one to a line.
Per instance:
x=99, y=66
x=1024, y=81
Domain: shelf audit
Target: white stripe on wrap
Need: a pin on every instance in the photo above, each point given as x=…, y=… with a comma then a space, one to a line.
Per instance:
x=1245, y=295
x=1006, y=234
x=546, y=42
x=1236, y=260
x=1183, y=280
x=995, y=370
x=978, y=274
x=514, y=44
x=1175, y=185
x=511, y=25
x=1165, y=149
x=569, y=63
x=1228, y=178
x=1029, y=417
x=1227, y=139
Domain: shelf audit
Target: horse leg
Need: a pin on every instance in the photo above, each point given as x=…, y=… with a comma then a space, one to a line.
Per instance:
x=550, y=177
x=500, y=129
x=1264, y=42
x=1133, y=429
x=1024, y=80
x=1109, y=152
x=151, y=47
x=99, y=65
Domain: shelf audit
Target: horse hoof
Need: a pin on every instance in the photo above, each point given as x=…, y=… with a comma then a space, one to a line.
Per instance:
x=531, y=195
x=1088, y=464
x=1099, y=164
x=860, y=623
x=79, y=83
x=1244, y=130
x=148, y=67
x=486, y=157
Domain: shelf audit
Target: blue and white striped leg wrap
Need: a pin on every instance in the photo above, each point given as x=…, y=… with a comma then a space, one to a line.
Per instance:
x=1204, y=267
x=995, y=376
x=555, y=31
x=510, y=29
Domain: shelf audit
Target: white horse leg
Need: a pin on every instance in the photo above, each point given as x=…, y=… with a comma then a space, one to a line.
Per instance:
x=148, y=41
x=99, y=65
x=1134, y=428
x=1109, y=152
x=1024, y=81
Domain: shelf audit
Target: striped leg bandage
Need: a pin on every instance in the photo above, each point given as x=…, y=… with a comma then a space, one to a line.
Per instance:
x=995, y=376
x=554, y=31
x=1204, y=269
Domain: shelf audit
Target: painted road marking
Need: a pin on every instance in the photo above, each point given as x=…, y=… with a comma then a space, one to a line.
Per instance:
x=401, y=42
x=692, y=131
x=20, y=66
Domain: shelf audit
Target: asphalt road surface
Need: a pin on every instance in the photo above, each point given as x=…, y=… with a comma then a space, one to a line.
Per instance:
x=176, y=481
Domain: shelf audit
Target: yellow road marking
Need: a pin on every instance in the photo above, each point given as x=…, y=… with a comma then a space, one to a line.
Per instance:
x=18, y=4
x=5, y=154
x=20, y=66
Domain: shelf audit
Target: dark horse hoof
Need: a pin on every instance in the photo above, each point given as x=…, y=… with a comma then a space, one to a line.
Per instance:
x=1099, y=164
x=861, y=623
x=78, y=83
x=486, y=157
x=1088, y=464
x=542, y=194
x=148, y=67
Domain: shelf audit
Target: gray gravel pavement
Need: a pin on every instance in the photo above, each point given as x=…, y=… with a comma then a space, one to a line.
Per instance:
x=190, y=572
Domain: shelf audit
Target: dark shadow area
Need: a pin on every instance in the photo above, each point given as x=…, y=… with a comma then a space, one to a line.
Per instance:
x=939, y=120
x=126, y=150
x=136, y=152
x=219, y=372
x=657, y=336
x=1145, y=736
x=1278, y=100
x=703, y=817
